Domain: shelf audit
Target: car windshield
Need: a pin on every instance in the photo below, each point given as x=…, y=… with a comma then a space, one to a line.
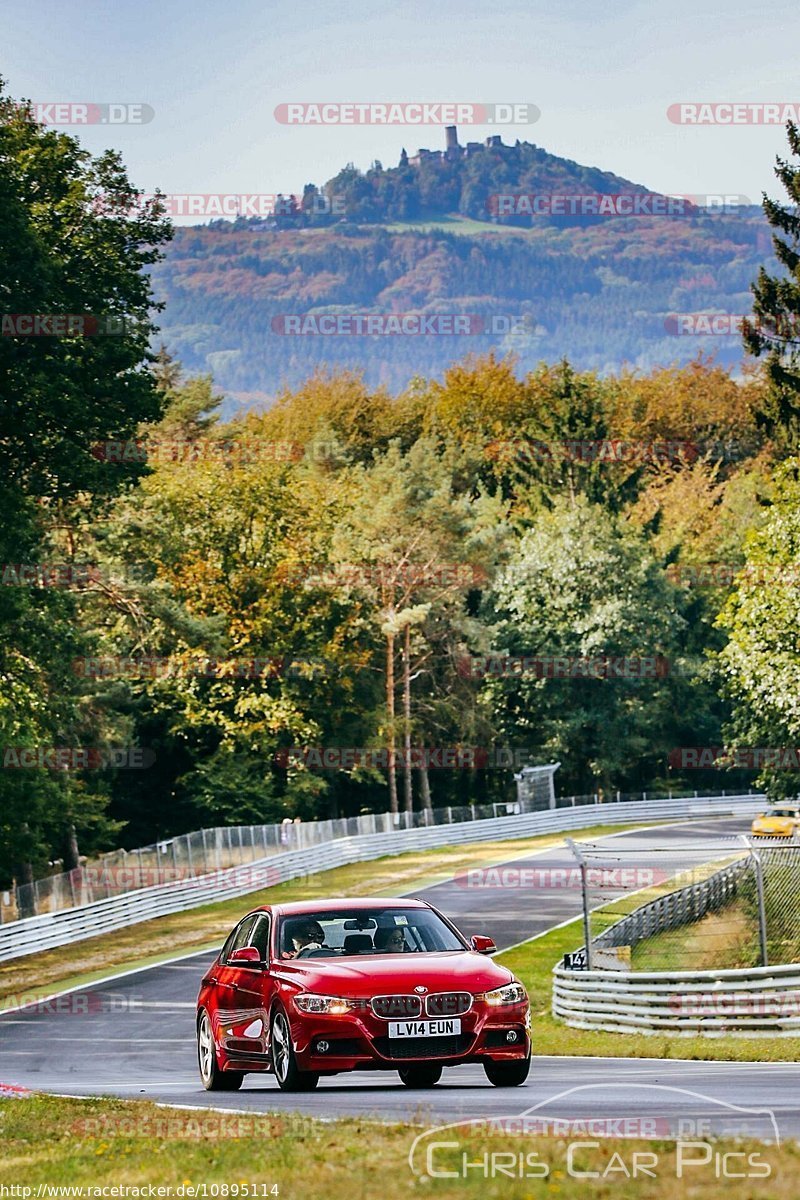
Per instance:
x=781, y=812
x=373, y=931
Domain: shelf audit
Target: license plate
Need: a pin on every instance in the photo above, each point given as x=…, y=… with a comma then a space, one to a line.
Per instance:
x=413, y=1029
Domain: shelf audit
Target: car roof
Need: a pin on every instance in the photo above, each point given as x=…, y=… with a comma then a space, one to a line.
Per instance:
x=296, y=908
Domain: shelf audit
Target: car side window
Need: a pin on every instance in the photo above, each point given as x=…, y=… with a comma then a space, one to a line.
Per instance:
x=260, y=936
x=242, y=935
x=226, y=949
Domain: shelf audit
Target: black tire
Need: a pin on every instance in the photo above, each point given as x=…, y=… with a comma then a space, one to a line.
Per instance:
x=424, y=1076
x=290, y=1078
x=214, y=1079
x=508, y=1074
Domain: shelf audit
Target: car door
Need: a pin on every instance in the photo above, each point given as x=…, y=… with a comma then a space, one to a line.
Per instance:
x=239, y=1004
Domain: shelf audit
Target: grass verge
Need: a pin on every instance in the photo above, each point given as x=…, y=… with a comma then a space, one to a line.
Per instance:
x=110, y=1143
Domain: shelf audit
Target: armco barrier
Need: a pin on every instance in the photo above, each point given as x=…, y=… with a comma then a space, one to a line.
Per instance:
x=758, y=1002
x=73, y=925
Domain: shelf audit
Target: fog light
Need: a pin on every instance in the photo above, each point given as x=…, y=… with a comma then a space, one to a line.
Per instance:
x=324, y=1047
x=512, y=1035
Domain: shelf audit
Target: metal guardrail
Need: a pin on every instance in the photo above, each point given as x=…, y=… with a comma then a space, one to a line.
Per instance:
x=746, y=1002
x=757, y=1002
x=188, y=855
x=35, y=934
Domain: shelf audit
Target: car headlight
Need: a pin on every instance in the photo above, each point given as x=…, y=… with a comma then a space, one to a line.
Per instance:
x=308, y=1002
x=512, y=993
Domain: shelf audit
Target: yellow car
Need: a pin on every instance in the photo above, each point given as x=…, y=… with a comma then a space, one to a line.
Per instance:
x=778, y=822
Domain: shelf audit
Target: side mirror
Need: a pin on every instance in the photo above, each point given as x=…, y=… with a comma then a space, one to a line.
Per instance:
x=482, y=944
x=247, y=956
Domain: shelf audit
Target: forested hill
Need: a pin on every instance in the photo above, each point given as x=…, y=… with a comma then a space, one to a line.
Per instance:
x=427, y=238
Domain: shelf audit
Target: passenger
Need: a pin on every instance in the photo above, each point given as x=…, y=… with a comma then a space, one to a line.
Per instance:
x=390, y=941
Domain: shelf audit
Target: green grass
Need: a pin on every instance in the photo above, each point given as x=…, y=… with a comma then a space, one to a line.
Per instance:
x=107, y=1143
x=720, y=940
x=533, y=963
x=453, y=223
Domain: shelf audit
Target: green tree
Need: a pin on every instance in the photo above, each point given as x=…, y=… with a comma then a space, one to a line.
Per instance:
x=761, y=660
x=68, y=245
x=774, y=333
x=583, y=586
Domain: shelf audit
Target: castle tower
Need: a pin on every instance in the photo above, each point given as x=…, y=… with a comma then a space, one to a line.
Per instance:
x=453, y=149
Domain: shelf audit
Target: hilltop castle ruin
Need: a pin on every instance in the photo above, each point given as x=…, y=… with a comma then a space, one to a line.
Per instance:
x=452, y=149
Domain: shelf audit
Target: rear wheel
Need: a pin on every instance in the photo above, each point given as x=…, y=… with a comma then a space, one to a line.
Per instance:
x=214, y=1080
x=284, y=1063
x=421, y=1076
x=508, y=1074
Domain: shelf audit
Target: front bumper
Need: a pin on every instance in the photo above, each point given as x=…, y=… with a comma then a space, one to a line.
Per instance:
x=360, y=1041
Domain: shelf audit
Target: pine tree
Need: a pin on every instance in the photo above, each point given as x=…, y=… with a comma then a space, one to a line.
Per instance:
x=774, y=331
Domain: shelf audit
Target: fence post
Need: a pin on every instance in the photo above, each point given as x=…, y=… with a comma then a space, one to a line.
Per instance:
x=762, y=914
x=587, y=933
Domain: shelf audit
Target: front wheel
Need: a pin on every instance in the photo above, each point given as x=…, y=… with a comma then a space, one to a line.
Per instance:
x=284, y=1063
x=508, y=1074
x=214, y=1080
x=420, y=1077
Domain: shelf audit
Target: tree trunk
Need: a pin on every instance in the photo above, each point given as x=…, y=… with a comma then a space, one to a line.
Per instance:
x=72, y=858
x=408, y=776
x=393, y=806
x=26, y=900
x=425, y=789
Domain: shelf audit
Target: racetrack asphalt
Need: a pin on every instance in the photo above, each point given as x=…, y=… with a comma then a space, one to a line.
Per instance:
x=134, y=1037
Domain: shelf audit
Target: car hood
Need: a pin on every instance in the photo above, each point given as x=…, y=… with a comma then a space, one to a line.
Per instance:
x=773, y=823
x=354, y=977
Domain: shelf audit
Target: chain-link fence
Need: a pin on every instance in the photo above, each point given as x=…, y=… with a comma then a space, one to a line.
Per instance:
x=191, y=855
x=709, y=904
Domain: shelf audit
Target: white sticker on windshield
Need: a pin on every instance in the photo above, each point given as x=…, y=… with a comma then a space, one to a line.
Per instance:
x=402, y=919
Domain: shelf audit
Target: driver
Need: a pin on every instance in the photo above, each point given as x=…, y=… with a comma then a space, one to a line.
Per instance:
x=308, y=936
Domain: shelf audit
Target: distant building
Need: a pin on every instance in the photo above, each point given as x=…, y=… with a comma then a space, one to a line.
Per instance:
x=452, y=149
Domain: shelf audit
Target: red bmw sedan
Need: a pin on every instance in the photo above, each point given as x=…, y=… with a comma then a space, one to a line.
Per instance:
x=316, y=988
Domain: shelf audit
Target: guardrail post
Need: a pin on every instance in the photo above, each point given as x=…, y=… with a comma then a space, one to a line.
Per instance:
x=587, y=933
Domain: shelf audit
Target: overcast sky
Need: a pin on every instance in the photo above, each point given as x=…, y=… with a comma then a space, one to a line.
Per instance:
x=603, y=77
